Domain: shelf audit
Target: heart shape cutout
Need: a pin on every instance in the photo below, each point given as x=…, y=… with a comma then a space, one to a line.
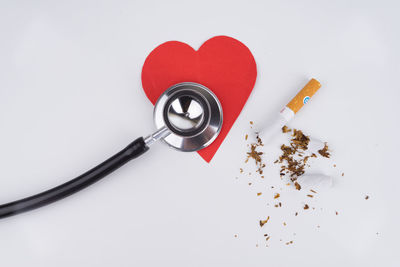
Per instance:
x=223, y=64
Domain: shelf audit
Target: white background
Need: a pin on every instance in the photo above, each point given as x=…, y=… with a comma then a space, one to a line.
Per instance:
x=71, y=95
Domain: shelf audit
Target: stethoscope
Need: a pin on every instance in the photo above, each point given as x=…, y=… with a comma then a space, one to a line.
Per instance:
x=188, y=117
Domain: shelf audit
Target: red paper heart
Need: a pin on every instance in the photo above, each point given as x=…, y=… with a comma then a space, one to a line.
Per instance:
x=223, y=64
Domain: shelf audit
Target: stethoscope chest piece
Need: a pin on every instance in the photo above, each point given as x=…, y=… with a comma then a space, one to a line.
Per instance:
x=191, y=114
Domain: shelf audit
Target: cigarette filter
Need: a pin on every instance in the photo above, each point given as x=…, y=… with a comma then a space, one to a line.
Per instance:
x=304, y=95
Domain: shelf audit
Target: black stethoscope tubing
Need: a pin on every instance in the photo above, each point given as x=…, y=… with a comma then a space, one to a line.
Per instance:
x=133, y=150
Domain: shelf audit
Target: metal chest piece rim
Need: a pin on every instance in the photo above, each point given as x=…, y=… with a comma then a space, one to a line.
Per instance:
x=192, y=114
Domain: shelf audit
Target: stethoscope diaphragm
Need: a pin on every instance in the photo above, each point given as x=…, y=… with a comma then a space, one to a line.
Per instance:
x=191, y=114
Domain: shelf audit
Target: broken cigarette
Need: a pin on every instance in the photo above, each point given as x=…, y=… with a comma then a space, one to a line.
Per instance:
x=288, y=112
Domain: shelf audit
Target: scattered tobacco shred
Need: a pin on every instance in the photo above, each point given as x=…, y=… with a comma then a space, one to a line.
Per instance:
x=324, y=152
x=297, y=185
x=256, y=155
x=293, y=161
x=247, y=136
x=300, y=140
x=294, y=157
x=295, y=168
x=366, y=197
x=259, y=141
x=285, y=129
x=262, y=222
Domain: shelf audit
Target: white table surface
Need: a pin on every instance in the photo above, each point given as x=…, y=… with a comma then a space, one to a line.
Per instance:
x=71, y=95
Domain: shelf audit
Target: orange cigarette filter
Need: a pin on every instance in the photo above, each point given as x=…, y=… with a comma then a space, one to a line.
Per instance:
x=304, y=95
